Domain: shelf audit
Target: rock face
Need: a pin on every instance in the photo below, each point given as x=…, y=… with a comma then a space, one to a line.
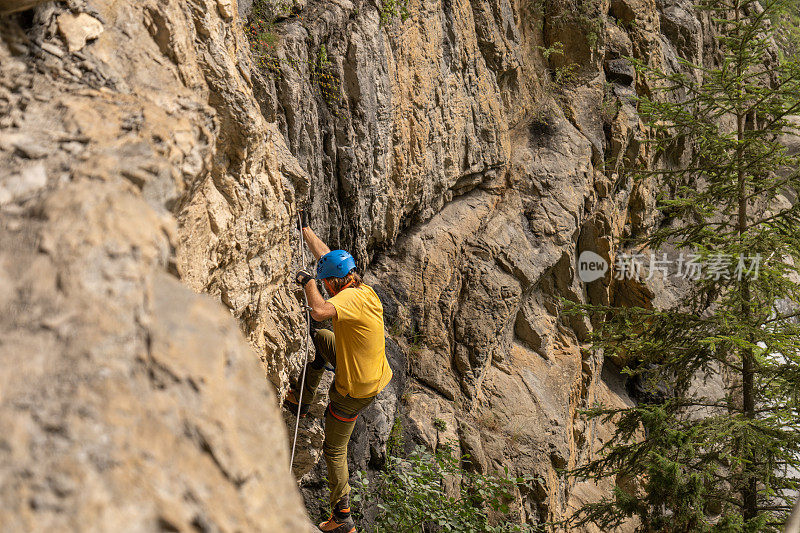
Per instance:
x=455, y=147
x=129, y=402
x=464, y=167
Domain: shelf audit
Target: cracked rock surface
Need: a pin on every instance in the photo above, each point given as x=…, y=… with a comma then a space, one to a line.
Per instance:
x=150, y=172
x=129, y=402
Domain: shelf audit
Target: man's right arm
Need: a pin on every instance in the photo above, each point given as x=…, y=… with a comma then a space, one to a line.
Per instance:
x=320, y=309
x=315, y=244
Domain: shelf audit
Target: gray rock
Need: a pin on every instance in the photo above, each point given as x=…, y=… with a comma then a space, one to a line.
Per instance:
x=620, y=71
x=245, y=7
x=681, y=25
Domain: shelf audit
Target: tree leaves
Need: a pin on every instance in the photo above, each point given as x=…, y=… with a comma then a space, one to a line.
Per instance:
x=727, y=461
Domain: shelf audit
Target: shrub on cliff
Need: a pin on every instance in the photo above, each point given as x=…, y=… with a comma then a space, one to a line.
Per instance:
x=431, y=492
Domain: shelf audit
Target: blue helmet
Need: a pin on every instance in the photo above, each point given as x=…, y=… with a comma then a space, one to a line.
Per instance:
x=335, y=264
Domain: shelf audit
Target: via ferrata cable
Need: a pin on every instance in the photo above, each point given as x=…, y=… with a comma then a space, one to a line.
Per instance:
x=301, y=244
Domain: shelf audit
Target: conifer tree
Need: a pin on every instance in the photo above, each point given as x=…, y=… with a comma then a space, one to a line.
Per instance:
x=688, y=461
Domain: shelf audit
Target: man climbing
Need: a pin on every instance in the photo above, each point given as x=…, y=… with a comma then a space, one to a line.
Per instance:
x=356, y=350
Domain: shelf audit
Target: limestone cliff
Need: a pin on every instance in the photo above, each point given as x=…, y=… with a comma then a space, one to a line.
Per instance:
x=462, y=161
x=454, y=146
x=127, y=401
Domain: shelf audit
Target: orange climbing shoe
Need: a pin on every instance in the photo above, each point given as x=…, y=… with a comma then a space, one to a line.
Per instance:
x=291, y=403
x=332, y=525
x=340, y=520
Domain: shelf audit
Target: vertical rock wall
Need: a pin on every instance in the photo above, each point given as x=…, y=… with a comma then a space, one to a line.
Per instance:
x=457, y=152
x=472, y=150
x=128, y=401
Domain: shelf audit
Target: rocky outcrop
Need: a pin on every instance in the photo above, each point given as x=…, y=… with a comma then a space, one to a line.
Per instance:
x=128, y=401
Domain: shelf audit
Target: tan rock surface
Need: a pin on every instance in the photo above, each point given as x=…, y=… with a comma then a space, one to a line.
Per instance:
x=470, y=226
x=78, y=29
x=129, y=402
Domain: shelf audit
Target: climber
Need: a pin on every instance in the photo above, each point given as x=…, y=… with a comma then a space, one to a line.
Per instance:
x=356, y=351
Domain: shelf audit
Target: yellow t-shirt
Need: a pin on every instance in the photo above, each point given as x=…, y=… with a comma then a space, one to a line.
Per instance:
x=361, y=366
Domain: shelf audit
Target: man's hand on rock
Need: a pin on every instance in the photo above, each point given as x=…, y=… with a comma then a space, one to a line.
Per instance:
x=303, y=277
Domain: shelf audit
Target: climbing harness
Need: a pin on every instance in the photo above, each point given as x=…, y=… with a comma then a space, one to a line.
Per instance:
x=300, y=245
x=341, y=416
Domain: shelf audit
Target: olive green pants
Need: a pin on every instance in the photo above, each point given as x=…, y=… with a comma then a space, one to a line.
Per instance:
x=340, y=416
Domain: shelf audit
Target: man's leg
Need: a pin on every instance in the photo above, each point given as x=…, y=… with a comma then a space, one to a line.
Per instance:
x=324, y=342
x=340, y=418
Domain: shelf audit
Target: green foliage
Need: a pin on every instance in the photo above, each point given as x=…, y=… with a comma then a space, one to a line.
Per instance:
x=556, y=48
x=537, y=10
x=785, y=18
x=260, y=29
x=430, y=491
x=593, y=28
x=565, y=75
x=697, y=461
x=328, y=83
x=440, y=424
x=262, y=34
x=395, y=443
x=584, y=15
x=561, y=76
x=391, y=9
x=416, y=339
x=322, y=60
